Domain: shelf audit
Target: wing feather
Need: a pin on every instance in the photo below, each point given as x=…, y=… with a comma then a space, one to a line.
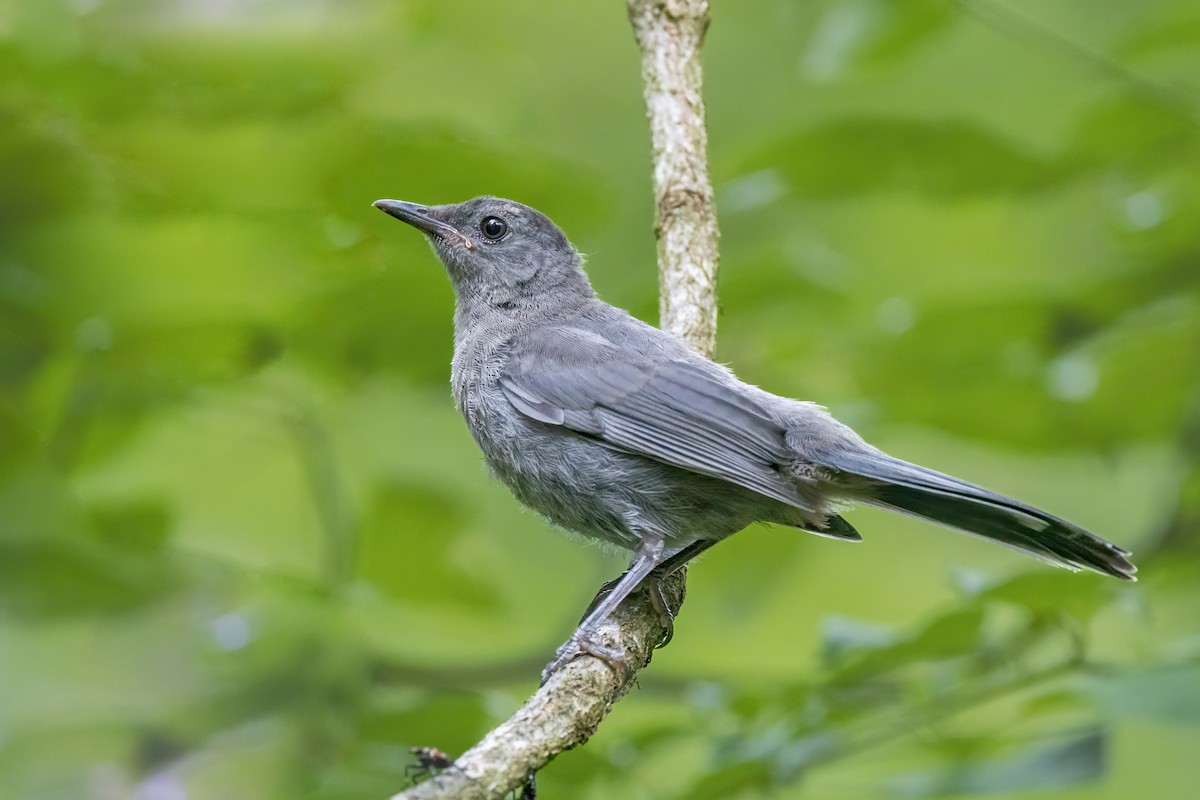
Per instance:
x=676, y=410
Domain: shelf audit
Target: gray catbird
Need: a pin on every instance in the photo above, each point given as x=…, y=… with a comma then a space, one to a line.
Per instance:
x=615, y=430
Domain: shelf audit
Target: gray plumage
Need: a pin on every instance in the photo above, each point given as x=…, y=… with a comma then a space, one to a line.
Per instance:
x=615, y=430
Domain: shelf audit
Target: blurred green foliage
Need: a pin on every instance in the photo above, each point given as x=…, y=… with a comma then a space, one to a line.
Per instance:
x=248, y=550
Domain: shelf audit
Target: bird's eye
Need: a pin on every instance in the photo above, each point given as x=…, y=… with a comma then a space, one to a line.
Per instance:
x=493, y=227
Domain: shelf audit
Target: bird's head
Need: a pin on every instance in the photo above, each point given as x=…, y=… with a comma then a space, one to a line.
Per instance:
x=497, y=250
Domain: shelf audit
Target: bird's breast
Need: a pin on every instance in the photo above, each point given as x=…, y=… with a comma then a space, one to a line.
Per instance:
x=475, y=379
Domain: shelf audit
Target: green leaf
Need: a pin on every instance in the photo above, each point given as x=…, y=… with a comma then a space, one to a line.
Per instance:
x=59, y=578
x=45, y=167
x=853, y=155
x=1081, y=759
x=409, y=534
x=1063, y=370
x=1166, y=694
x=872, y=34
x=1180, y=32
x=1054, y=592
x=20, y=447
x=842, y=637
x=1131, y=130
x=52, y=563
x=946, y=636
x=138, y=526
x=731, y=780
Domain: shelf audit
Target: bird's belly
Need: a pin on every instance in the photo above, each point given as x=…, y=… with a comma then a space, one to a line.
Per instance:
x=597, y=491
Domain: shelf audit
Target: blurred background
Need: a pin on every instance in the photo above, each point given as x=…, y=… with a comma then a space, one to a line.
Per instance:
x=248, y=549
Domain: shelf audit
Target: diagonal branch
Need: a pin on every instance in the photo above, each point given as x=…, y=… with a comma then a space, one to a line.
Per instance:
x=566, y=711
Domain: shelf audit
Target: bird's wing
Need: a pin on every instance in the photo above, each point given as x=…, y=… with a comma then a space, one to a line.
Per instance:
x=681, y=411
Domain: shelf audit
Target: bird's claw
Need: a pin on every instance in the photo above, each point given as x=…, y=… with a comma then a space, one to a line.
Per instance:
x=583, y=642
x=657, y=593
x=666, y=617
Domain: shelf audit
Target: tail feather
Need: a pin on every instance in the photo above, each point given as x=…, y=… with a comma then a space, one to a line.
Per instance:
x=908, y=488
x=834, y=527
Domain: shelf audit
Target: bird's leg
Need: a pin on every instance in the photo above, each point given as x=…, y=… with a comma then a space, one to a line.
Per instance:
x=647, y=556
x=653, y=585
x=663, y=570
x=604, y=591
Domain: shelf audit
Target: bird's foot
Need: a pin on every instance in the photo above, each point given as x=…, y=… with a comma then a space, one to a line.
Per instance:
x=654, y=589
x=584, y=642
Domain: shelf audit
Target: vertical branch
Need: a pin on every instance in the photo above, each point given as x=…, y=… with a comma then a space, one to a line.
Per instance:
x=567, y=710
x=670, y=34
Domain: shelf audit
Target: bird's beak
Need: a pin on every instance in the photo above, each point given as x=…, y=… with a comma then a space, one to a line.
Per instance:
x=420, y=218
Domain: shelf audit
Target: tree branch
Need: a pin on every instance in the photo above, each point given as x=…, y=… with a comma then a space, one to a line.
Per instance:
x=670, y=34
x=566, y=711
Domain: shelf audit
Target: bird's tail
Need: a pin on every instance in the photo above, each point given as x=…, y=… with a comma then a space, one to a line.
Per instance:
x=881, y=480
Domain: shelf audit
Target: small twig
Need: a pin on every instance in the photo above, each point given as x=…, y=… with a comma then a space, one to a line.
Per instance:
x=1004, y=20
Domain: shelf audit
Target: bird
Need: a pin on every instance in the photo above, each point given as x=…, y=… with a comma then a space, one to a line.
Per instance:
x=616, y=430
